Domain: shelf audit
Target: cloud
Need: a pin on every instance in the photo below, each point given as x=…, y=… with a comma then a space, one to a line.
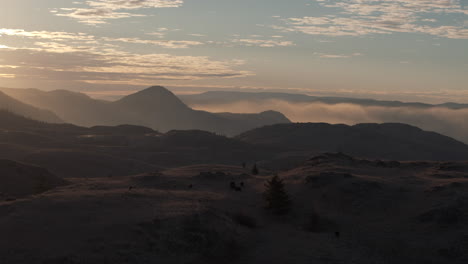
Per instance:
x=337, y=56
x=171, y=44
x=366, y=17
x=450, y=122
x=86, y=58
x=50, y=35
x=99, y=11
x=264, y=43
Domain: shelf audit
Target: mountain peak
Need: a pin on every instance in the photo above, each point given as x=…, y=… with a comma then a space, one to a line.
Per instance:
x=155, y=90
x=153, y=98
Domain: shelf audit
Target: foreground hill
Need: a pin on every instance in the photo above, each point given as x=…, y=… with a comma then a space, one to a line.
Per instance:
x=384, y=141
x=18, y=180
x=10, y=104
x=345, y=210
x=155, y=107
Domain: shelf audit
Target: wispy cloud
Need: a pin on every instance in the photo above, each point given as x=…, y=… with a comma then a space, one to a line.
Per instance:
x=337, y=56
x=365, y=17
x=99, y=11
x=86, y=58
x=171, y=44
x=259, y=41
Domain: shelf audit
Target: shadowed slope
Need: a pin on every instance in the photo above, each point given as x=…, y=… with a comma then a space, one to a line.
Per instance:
x=18, y=180
x=385, y=141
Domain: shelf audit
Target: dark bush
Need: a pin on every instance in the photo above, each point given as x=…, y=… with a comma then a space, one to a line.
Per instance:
x=245, y=220
x=276, y=198
x=313, y=222
x=255, y=170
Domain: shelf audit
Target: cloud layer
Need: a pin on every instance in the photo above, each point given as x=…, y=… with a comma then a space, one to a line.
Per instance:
x=366, y=17
x=82, y=57
x=99, y=11
x=446, y=121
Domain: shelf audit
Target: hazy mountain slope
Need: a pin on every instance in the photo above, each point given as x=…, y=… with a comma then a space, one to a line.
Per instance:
x=386, y=141
x=160, y=109
x=10, y=104
x=72, y=107
x=155, y=107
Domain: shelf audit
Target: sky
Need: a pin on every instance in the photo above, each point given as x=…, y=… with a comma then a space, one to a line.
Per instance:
x=408, y=50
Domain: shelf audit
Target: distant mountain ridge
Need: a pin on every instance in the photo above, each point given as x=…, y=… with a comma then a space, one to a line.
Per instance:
x=154, y=107
x=222, y=97
x=449, y=119
x=71, y=151
x=383, y=141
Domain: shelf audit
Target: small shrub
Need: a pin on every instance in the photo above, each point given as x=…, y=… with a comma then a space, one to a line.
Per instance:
x=312, y=222
x=245, y=220
x=255, y=170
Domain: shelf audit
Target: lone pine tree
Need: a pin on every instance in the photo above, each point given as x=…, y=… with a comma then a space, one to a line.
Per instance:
x=276, y=198
x=255, y=169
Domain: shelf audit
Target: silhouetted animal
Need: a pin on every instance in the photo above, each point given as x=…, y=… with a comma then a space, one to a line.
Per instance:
x=234, y=187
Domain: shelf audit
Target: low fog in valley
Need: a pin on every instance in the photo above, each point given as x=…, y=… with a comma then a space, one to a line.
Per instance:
x=450, y=122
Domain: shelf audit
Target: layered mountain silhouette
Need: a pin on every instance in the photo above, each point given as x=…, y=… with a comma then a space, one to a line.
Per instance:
x=447, y=118
x=383, y=141
x=10, y=104
x=155, y=107
x=226, y=97
x=72, y=151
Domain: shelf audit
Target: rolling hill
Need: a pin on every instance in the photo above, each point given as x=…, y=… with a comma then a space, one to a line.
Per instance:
x=384, y=141
x=19, y=180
